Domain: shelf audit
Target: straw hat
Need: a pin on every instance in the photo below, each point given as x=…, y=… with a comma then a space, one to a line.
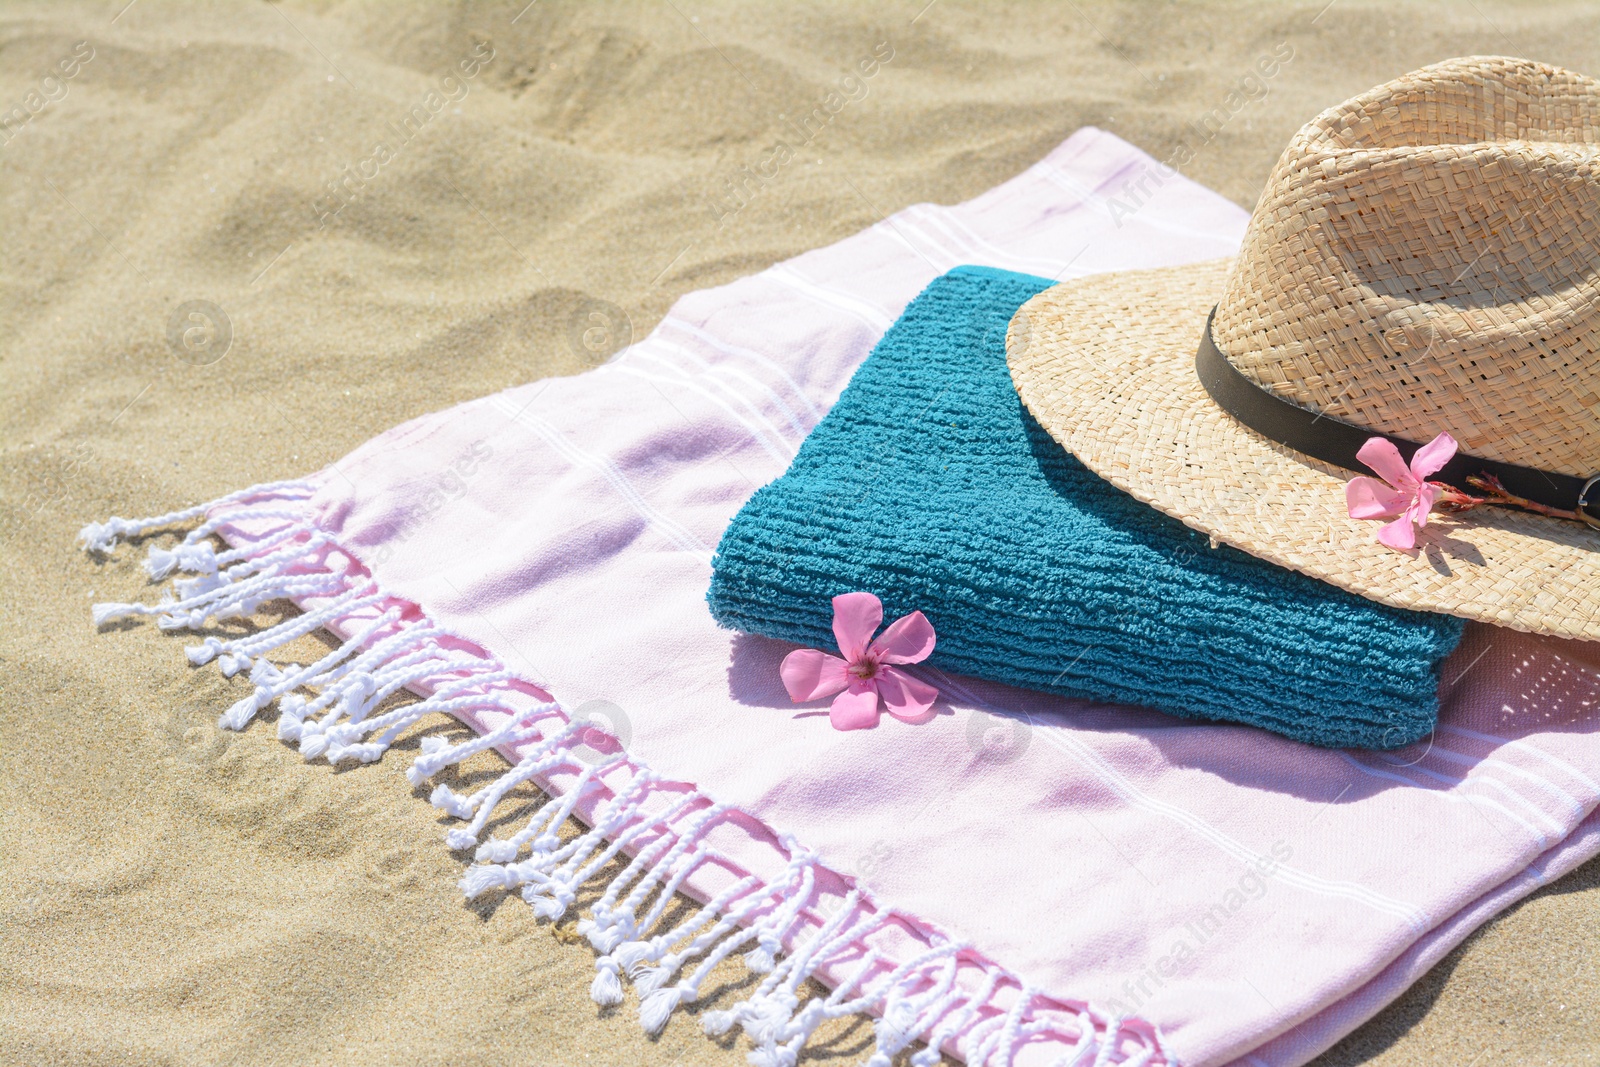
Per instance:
x=1424, y=258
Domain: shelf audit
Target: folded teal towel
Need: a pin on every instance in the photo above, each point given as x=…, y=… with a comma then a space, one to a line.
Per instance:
x=930, y=485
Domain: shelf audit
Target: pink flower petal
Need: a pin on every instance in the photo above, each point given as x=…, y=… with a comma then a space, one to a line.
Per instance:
x=1401, y=534
x=856, y=617
x=1380, y=454
x=908, y=699
x=1368, y=498
x=909, y=639
x=1422, y=505
x=1432, y=457
x=856, y=708
x=811, y=675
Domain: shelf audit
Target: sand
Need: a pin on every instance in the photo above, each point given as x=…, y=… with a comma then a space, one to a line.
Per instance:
x=173, y=895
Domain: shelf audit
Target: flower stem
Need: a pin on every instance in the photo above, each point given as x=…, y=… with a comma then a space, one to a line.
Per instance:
x=1495, y=495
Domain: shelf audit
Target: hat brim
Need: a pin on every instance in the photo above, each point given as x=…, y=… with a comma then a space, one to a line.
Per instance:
x=1106, y=366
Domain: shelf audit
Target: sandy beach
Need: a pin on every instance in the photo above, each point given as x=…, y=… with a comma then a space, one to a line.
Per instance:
x=215, y=278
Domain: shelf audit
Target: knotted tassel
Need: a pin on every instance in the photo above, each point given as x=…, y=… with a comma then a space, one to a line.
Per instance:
x=606, y=989
x=102, y=536
x=635, y=954
x=197, y=558
x=448, y=800
x=763, y=1017
x=549, y=900
x=762, y=958
x=484, y=877
x=657, y=1007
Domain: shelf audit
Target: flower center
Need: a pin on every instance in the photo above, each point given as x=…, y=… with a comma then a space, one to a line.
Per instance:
x=864, y=668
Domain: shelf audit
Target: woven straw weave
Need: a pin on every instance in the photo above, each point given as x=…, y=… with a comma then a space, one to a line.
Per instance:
x=1424, y=258
x=1427, y=257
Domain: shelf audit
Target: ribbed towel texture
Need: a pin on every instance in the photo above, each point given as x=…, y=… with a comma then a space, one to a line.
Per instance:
x=930, y=485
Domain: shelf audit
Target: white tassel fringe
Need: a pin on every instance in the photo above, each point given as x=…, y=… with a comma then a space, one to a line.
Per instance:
x=944, y=996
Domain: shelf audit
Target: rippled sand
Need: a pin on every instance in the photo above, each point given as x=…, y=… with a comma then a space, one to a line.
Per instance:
x=172, y=895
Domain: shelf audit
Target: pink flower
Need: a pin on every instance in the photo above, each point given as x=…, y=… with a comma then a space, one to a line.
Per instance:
x=1404, y=491
x=864, y=674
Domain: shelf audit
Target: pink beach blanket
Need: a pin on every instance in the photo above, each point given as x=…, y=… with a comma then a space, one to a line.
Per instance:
x=1023, y=879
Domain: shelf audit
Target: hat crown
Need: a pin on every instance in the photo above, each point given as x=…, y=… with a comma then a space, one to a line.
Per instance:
x=1426, y=257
